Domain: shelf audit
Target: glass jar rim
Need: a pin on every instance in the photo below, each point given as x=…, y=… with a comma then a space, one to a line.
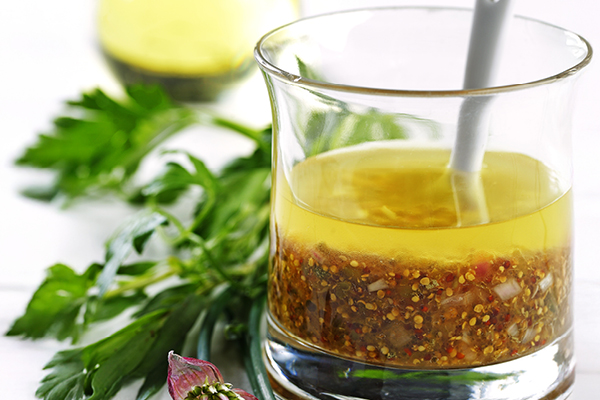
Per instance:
x=299, y=80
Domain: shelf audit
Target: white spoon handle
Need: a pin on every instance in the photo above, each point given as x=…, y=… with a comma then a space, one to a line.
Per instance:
x=487, y=35
x=488, y=30
x=489, y=27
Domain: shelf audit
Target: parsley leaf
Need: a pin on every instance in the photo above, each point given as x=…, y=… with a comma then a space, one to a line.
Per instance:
x=100, y=146
x=102, y=309
x=55, y=306
x=134, y=234
x=100, y=369
x=176, y=179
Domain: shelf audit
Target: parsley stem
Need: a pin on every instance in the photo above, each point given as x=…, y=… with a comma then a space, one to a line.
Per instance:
x=215, y=310
x=214, y=264
x=255, y=135
x=208, y=206
x=185, y=234
x=178, y=119
x=180, y=228
x=140, y=283
x=253, y=361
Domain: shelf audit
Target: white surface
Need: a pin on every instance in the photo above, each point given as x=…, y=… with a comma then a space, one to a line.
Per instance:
x=48, y=54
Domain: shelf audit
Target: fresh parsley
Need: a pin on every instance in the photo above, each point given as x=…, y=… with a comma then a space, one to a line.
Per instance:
x=223, y=249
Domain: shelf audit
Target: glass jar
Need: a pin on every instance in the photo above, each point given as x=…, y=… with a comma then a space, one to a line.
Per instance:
x=194, y=48
x=393, y=273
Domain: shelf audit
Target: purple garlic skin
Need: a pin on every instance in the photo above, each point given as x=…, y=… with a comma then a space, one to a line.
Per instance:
x=190, y=379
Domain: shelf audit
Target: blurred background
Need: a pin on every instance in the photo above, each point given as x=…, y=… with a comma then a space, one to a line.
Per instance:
x=51, y=51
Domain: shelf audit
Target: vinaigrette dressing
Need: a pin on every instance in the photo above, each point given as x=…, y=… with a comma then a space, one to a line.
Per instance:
x=187, y=37
x=369, y=261
x=194, y=49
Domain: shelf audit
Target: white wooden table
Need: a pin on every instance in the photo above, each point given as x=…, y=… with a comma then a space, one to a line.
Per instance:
x=48, y=54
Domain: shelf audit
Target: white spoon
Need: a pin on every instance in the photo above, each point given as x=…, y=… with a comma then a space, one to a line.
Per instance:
x=489, y=27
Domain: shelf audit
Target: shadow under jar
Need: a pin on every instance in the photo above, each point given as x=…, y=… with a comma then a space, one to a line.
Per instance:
x=195, y=49
x=392, y=275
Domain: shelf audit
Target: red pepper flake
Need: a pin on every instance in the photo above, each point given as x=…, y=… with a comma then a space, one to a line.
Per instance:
x=482, y=269
x=506, y=264
x=427, y=357
x=450, y=277
x=424, y=308
x=450, y=349
x=543, y=342
x=460, y=356
x=407, y=351
x=514, y=352
x=491, y=298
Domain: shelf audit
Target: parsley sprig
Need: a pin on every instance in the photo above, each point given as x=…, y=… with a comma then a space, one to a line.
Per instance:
x=218, y=261
x=99, y=144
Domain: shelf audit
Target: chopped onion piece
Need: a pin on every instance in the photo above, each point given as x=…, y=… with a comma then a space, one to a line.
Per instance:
x=378, y=285
x=529, y=334
x=513, y=330
x=508, y=289
x=546, y=282
x=465, y=337
x=459, y=299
